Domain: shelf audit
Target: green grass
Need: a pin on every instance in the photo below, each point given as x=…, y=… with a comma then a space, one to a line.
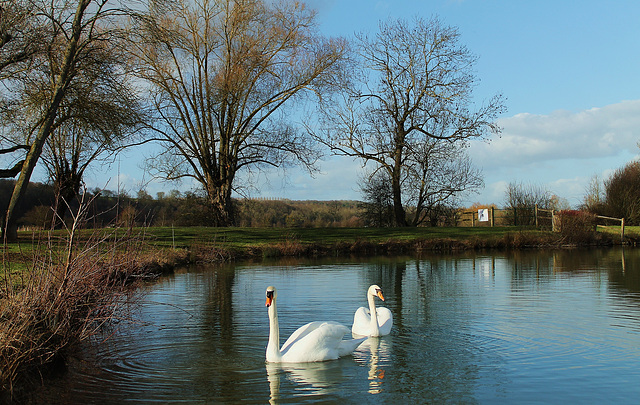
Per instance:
x=17, y=259
x=18, y=255
x=629, y=231
x=241, y=238
x=635, y=230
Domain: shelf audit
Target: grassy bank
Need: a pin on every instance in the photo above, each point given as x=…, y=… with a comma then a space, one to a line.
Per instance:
x=207, y=244
x=267, y=242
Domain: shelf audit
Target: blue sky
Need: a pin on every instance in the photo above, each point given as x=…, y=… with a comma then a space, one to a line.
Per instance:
x=568, y=69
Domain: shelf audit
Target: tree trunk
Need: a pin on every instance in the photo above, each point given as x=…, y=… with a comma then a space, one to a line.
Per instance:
x=220, y=199
x=398, y=209
x=396, y=175
x=66, y=189
x=10, y=230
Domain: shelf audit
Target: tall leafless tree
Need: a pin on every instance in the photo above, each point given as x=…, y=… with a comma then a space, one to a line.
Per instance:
x=225, y=75
x=415, y=93
x=73, y=28
x=100, y=116
x=594, y=198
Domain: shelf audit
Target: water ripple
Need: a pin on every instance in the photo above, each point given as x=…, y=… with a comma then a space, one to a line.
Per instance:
x=514, y=328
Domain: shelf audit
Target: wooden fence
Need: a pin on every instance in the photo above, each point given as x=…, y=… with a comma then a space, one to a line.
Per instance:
x=505, y=217
x=621, y=220
x=538, y=217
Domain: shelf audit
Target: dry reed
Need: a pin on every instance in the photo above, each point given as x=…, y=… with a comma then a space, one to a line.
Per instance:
x=68, y=291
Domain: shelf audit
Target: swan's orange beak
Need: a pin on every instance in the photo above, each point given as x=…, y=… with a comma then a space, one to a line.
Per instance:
x=268, y=303
x=379, y=292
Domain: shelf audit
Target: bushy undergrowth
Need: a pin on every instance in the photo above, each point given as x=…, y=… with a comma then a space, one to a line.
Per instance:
x=66, y=294
x=576, y=226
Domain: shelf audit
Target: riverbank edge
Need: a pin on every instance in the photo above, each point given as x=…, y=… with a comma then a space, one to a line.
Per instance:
x=288, y=248
x=154, y=261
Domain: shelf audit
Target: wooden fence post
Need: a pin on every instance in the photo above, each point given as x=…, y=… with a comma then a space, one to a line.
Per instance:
x=622, y=230
x=493, y=212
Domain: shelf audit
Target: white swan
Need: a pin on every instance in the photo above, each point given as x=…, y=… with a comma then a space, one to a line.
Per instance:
x=372, y=321
x=315, y=341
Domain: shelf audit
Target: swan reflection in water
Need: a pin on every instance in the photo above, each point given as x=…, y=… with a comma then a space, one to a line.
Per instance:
x=378, y=350
x=309, y=378
x=321, y=378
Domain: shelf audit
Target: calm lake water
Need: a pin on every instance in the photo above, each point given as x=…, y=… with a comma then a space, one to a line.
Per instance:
x=516, y=327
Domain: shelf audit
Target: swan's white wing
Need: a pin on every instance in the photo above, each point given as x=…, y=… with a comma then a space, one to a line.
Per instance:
x=315, y=341
x=361, y=322
x=385, y=320
x=300, y=333
x=348, y=346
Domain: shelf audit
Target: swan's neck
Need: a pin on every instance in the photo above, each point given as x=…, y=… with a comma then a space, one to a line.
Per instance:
x=273, y=346
x=375, y=330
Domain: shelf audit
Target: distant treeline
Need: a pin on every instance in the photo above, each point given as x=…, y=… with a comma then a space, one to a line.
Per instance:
x=108, y=208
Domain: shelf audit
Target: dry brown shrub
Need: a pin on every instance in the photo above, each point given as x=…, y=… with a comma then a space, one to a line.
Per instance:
x=289, y=247
x=63, y=303
x=207, y=252
x=69, y=290
x=576, y=226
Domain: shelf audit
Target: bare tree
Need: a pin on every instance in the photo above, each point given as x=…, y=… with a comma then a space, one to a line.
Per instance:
x=73, y=28
x=22, y=36
x=377, y=205
x=522, y=200
x=224, y=76
x=622, y=193
x=415, y=93
x=438, y=173
x=99, y=117
x=433, y=180
x=594, y=199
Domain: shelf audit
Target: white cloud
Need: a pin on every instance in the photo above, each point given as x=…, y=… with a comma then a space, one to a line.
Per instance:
x=560, y=151
x=535, y=139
